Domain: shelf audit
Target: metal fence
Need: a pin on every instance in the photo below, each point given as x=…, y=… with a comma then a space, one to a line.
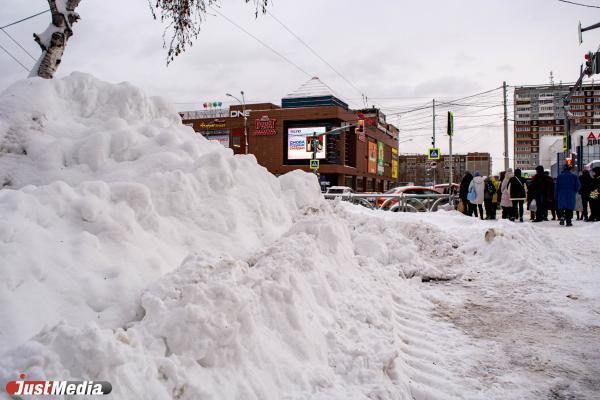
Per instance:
x=400, y=202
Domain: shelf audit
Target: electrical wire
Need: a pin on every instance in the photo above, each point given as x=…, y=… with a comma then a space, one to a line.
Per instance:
x=363, y=96
x=14, y=58
x=18, y=44
x=24, y=19
x=579, y=4
x=263, y=43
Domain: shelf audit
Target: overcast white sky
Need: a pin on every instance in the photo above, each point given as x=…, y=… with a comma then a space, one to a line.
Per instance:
x=399, y=53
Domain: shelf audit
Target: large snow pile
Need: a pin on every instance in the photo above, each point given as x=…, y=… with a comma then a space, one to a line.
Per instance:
x=136, y=252
x=104, y=190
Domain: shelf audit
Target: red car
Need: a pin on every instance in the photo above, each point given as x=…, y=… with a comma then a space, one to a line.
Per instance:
x=404, y=189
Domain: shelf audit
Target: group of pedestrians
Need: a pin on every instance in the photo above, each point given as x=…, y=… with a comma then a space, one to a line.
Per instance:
x=542, y=195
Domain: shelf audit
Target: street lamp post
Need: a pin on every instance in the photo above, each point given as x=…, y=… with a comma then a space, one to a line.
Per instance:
x=243, y=103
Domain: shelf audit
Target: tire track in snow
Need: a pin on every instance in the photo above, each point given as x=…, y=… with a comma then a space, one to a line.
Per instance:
x=539, y=351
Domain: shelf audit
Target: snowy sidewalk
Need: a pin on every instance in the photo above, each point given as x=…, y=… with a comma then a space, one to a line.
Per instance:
x=533, y=312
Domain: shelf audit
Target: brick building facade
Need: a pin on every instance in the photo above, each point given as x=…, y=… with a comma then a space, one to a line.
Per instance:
x=277, y=137
x=539, y=112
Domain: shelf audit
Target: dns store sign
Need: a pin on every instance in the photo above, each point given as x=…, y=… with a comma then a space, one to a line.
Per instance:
x=265, y=126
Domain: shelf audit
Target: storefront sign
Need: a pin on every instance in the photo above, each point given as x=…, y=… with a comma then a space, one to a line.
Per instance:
x=394, y=163
x=214, y=125
x=380, y=158
x=299, y=143
x=236, y=113
x=372, y=164
x=265, y=126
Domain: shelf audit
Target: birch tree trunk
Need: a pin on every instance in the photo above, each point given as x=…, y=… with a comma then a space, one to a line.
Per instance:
x=54, y=39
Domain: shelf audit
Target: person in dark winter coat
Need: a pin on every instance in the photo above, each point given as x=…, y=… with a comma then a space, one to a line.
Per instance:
x=550, y=202
x=595, y=196
x=537, y=192
x=565, y=190
x=464, y=191
x=518, y=195
x=585, y=179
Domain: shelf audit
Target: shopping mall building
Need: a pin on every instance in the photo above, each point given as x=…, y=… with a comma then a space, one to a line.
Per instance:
x=278, y=137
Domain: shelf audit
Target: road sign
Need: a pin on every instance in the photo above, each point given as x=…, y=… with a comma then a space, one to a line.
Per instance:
x=314, y=164
x=434, y=153
x=433, y=164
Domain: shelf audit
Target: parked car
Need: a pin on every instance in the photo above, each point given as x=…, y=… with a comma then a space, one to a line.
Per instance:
x=445, y=188
x=418, y=204
x=337, y=190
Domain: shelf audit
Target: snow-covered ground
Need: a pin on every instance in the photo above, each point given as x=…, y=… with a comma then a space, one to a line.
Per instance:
x=136, y=252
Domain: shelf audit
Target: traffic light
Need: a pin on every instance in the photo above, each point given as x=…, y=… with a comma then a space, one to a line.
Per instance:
x=360, y=126
x=590, y=64
x=450, y=129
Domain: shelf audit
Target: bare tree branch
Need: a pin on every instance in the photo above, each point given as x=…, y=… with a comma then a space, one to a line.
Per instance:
x=184, y=19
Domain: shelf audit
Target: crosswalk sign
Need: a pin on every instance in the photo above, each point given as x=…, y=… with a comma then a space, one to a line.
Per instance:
x=314, y=164
x=434, y=153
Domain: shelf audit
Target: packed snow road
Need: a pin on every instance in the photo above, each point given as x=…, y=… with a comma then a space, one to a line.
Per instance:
x=528, y=299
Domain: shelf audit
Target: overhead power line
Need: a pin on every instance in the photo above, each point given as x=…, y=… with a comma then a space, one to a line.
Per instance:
x=261, y=42
x=451, y=102
x=14, y=58
x=468, y=97
x=318, y=55
x=579, y=4
x=269, y=47
x=17, y=43
x=24, y=19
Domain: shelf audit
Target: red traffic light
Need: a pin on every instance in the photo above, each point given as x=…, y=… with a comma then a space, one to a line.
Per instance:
x=587, y=56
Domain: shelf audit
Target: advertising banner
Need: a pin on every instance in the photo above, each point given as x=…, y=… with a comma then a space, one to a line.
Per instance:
x=372, y=151
x=265, y=126
x=299, y=145
x=380, y=159
x=394, y=163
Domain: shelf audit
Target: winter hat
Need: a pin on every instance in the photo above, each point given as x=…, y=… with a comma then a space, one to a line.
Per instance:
x=539, y=169
x=476, y=173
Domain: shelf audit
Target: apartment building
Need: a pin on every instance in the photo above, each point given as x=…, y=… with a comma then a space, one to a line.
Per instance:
x=539, y=111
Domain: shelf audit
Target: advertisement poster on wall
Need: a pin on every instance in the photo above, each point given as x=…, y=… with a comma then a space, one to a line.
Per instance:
x=380, y=159
x=394, y=163
x=372, y=150
x=299, y=143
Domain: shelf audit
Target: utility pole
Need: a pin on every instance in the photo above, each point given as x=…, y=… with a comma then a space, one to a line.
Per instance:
x=315, y=148
x=505, y=128
x=433, y=137
x=245, y=122
x=450, y=131
x=243, y=103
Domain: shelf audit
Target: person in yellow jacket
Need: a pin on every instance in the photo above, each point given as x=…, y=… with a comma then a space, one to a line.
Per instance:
x=491, y=195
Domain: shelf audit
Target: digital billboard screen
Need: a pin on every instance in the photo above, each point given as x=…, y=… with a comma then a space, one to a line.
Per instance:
x=299, y=143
